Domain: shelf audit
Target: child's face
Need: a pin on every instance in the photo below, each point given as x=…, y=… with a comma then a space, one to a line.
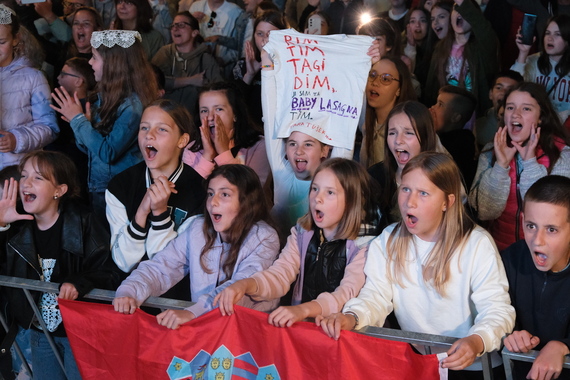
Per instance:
x=7, y=44
x=522, y=113
x=554, y=44
x=459, y=24
x=402, y=139
x=160, y=141
x=441, y=111
x=68, y=79
x=419, y=24
x=215, y=103
x=222, y=204
x=382, y=95
x=327, y=202
x=501, y=87
x=422, y=205
x=262, y=34
x=96, y=63
x=547, y=234
x=37, y=192
x=305, y=154
x=428, y=5
x=440, y=21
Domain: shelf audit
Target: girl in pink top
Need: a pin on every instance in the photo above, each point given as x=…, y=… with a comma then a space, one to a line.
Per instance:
x=227, y=136
x=325, y=253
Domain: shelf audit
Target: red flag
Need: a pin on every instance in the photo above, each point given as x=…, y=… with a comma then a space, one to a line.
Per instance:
x=109, y=345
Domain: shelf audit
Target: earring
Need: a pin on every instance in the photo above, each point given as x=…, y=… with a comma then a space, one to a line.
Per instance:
x=235, y=119
x=55, y=197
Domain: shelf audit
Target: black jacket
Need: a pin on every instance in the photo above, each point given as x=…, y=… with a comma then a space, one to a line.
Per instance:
x=85, y=259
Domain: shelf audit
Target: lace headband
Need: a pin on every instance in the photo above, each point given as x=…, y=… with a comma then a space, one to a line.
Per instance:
x=6, y=15
x=110, y=38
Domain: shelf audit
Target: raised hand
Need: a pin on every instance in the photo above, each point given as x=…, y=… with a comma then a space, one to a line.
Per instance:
x=8, y=213
x=221, y=137
x=528, y=150
x=503, y=152
x=69, y=106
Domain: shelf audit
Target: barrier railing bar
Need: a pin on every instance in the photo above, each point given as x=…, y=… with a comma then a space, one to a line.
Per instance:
x=45, y=329
x=509, y=356
x=379, y=332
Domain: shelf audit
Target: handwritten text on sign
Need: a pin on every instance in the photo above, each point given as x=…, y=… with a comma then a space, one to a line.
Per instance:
x=311, y=81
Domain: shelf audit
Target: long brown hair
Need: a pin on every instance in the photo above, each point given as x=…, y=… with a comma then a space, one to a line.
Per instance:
x=453, y=231
x=407, y=92
x=360, y=197
x=125, y=71
x=253, y=209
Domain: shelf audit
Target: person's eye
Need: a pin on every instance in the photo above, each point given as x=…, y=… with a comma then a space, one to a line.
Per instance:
x=314, y=189
x=291, y=144
x=405, y=189
x=411, y=133
x=424, y=193
x=552, y=230
x=391, y=133
x=309, y=145
x=331, y=192
x=143, y=128
x=526, y=109
x=163, y=129
x=530, y=226
x=203, y=111
x=219, y=109
x=509, y=108
x=210, y=194
x=225, y=195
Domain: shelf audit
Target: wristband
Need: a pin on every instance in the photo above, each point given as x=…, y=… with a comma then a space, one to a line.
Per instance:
x=354, y=315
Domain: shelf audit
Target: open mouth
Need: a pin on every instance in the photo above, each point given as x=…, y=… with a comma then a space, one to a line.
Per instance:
x=459, y=22
x=216, y=217
x=373, y=94
x=540, y=258
x=301, y=165
x=29, y=197
x=403, y=156
x=516, y=126
x=151, y=151
x=318, y=215
x=411, y=221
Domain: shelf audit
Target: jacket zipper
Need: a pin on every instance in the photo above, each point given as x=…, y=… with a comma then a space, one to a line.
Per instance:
x=26, y=260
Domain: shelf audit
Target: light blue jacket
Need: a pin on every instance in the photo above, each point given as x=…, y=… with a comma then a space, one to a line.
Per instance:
x=111, y=154
x=24, y=109
x=182, y=255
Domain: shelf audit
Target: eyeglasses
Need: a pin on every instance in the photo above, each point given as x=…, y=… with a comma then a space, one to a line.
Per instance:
x=212, y=17
x=73, y=5
x=179, y=25
x=386, y=79
x=63, y=73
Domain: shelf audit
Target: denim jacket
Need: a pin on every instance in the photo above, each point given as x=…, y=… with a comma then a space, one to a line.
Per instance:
x=111, y=154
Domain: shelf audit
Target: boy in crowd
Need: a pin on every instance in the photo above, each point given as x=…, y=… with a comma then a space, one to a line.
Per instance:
x=452, y=111
x=539, y=280
x=486, y=126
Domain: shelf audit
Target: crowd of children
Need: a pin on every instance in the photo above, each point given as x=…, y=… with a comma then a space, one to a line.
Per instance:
x=185, y=189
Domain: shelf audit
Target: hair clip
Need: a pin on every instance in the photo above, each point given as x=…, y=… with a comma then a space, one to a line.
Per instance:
x=6, y=15
x=110, y=38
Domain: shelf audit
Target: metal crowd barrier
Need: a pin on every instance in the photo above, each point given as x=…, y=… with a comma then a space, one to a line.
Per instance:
x=427, y=340
x=509, y=357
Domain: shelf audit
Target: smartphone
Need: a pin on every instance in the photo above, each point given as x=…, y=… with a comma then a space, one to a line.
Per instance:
x=315, y=24
x=527, y=28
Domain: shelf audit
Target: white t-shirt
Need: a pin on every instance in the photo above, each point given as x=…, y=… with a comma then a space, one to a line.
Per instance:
x=319, y=83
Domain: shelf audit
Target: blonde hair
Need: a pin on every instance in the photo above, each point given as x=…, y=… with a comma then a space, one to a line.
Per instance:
x=453, y=231
x=360, y=206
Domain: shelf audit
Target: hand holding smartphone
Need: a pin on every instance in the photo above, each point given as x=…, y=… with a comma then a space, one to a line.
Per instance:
x=527, y=29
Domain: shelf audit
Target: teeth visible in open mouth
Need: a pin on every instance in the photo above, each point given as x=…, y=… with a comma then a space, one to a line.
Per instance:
x=151, y=151
x=29, y=197
x=217, y=217
x=516, y=124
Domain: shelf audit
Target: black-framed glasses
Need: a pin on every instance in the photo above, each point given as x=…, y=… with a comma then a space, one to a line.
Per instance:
x=178, y=25
x=211, y=21
x=63, y=73
x=385, y=78
x=71, y=4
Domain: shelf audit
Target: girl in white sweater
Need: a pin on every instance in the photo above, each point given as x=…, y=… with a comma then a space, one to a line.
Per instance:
x=438, y=271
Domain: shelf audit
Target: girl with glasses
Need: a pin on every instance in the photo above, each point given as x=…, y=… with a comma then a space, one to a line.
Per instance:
x=389, y=83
